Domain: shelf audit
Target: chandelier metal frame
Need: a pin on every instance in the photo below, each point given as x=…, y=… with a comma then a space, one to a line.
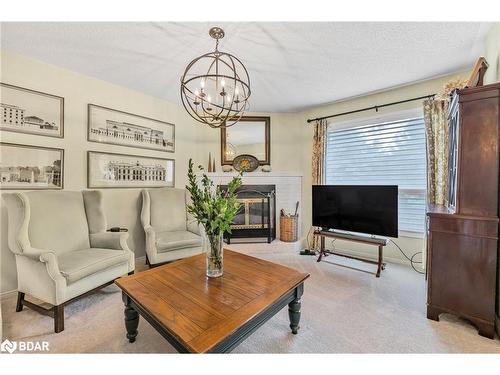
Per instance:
x=226, y=111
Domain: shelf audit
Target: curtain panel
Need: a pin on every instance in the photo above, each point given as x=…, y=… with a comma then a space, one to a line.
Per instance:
x=318, y=164
x=436, y=128
x=318, y=154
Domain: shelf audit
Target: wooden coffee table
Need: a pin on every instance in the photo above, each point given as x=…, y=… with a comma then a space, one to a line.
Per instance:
x=199, y=315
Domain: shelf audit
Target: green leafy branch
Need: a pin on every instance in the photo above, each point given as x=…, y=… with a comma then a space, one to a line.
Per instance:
x=212, y=207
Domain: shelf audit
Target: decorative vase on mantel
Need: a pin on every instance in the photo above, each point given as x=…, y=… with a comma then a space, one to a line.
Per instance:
x=213, y=247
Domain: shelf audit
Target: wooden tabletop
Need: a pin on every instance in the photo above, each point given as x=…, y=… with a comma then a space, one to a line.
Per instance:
x=201, y=312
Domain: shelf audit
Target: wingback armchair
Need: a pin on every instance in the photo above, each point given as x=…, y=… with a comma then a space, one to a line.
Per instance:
x=62, y=248
x=170, y=232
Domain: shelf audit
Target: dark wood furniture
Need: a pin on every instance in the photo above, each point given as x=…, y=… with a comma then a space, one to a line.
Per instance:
x=197, y=314
x=368, y=240
x=463, y=235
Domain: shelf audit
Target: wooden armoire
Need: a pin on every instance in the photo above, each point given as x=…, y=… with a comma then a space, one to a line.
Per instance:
x=462, y=243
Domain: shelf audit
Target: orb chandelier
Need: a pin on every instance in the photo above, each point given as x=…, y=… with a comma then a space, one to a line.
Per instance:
x=215, y=87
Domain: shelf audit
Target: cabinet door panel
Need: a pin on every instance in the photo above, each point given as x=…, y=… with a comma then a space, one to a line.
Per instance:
x=464, y=274
x=478, y=169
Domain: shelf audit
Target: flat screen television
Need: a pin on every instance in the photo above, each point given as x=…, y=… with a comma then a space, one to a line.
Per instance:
x=369, y=209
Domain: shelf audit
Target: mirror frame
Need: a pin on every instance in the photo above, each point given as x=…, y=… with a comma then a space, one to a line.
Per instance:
x=267, y=122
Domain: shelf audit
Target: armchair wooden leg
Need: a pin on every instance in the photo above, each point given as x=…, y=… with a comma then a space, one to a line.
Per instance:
x=20, y=300
x=147, y=262
x=58, y=318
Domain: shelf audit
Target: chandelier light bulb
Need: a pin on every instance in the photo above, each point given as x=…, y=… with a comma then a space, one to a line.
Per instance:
x=202, y=83
x=222, y=82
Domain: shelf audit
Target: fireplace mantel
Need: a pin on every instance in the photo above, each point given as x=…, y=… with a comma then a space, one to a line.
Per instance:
x=255, y=174
x=288, y=188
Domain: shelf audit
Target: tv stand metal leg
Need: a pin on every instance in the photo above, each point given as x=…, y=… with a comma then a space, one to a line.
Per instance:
x=380, y=257
x=322, y=248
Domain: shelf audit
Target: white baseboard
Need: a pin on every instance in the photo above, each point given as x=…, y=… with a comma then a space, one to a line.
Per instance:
x=10, y=293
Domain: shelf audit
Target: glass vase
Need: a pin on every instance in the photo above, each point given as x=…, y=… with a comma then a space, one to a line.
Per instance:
x=212, y=245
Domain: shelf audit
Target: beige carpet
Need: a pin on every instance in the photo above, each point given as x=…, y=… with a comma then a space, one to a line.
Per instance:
x=343, y=311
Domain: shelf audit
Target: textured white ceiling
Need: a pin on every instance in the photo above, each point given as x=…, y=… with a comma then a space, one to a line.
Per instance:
x=292, y=66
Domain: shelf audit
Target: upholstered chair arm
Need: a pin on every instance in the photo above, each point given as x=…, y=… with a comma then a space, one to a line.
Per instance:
x=150, y=234
x=49, y=258
x=36, y=254
x=109, y=240
x=150, y=240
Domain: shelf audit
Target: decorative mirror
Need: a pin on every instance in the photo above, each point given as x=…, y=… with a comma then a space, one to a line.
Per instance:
x=249, y=136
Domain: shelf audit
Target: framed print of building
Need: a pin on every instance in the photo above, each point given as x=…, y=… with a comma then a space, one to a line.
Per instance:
x=109, y=170
x=30, y=167
x=33, y=112
x=106, y=125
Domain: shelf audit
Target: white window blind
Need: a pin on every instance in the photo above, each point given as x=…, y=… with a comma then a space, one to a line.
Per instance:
x=389, y=153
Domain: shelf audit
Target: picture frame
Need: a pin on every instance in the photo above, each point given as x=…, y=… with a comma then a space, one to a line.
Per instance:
x=29, y=167
x=113, y=170
x=116, y=127
x=251, y=128
x=23, y=110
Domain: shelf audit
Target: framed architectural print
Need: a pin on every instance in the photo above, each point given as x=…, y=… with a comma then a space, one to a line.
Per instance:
x=108, y=170
x=106, y=125
x=30, y=167
x=27, y=111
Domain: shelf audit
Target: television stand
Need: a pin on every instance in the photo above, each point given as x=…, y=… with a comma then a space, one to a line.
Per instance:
x=365, y=239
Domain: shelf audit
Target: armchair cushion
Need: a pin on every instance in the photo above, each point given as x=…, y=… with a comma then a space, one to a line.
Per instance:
x=76, y=265
x=176, y=240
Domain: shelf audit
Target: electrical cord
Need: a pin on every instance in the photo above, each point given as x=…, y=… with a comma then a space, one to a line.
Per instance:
x=411, y=259
x=308, y=242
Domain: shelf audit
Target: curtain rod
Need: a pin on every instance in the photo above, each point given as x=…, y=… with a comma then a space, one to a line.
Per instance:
x=375, y=107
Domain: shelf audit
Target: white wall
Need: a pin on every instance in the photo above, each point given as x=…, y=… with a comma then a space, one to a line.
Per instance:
x=122, y=205
x=492, y=54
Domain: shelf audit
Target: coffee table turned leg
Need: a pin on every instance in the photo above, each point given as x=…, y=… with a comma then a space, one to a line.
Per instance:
x=131, y=320
x=294, y=314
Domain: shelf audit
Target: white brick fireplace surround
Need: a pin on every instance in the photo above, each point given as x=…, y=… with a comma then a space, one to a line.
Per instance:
x=288, y=190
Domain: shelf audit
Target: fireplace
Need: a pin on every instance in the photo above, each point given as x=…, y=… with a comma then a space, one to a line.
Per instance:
x=256, y=219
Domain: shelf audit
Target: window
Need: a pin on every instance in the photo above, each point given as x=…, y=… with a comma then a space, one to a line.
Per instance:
x=383, y=153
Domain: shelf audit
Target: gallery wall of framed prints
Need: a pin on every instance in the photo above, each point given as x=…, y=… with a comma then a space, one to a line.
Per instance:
x=30, y=165
x=120, y=170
